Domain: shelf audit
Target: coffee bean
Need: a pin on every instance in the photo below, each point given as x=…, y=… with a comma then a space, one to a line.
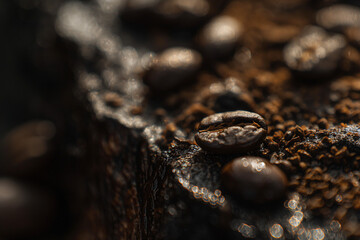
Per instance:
x=172, y=68
x=229, y=101
x=253, y=179
x=227, y=95
x=26, y=211
x=219, y=38
x=231, y=132
x=314, y=53
x=339, y=17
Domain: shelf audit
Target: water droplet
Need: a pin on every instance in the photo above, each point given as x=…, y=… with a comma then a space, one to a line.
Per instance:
x=317, y=234
x=276, y=231
x=335, y=226
x=292, y=204
x=296, y=219
x=195, y=189
x=172, y=211
x=247, y=230
x=217, y=193
x=338, y=198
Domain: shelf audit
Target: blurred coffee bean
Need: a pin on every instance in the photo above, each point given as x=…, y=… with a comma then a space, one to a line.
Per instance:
x=219, y=38
x=231, y=132
x=172, y=68
x=229, y=95
x=314, y=53
x=253, y=179
x=26, y=212
x=231, y=101
x=338, y=17
x=25, y=146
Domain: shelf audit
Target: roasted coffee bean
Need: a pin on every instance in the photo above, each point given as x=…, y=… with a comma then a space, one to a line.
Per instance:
x=253, y=179
x=339, y=17
x=231, y=132
x=315, y=52
x=26, y=211
x=227, y=95
x=172, y=68
x=229, y=101
x=220, y=37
